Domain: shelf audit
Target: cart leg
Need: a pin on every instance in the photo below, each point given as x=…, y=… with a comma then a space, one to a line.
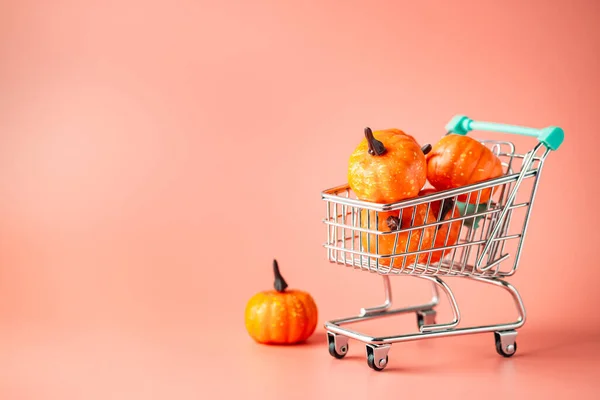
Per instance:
x=513, y=293
x=387, y=304
x=505, y=337
x=429, y=325
x=427, y=316
x=377, y=356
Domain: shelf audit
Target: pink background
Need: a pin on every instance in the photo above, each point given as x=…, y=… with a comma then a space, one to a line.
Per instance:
x=155, y=157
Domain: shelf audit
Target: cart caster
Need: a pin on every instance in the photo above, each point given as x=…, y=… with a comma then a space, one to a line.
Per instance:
x=377, y=356
x=426, y=317
x=338, y=345
x=506, y=344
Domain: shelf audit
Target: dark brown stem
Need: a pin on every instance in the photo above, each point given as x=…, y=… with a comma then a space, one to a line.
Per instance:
x=376, y=148
x=426, y=149
x=393, y=223
x=280, y=284
x=447, y=205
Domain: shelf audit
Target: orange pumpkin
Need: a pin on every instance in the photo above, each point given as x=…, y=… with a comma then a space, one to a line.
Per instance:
x=389, y=221
x=281, y=316
x=457, y=161
x=448, y=211
x=386, y=167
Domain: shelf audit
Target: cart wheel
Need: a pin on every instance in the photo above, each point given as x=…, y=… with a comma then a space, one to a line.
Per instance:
x=371, y=362
x=338, y=345
x=377, y=358
x=426, y=317
x=506, y=344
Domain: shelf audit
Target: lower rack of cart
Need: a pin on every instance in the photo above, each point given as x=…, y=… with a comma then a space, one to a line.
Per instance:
x=377, y=347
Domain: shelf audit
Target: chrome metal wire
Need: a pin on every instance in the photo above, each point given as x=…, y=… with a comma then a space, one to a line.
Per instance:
x=487, y=248
x=479, y=250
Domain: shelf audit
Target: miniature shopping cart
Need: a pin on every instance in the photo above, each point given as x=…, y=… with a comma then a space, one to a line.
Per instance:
x=488, y=247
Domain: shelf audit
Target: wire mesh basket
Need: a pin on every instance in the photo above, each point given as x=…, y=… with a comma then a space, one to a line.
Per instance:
x=475, y=231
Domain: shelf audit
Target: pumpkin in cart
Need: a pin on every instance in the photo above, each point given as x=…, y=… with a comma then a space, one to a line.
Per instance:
x=281, y=316
x=386, y=167
x=399, y=243
x=447, y=234
x=457, y=160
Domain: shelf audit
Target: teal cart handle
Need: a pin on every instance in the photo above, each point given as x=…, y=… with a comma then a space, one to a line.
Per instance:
x=551, y=136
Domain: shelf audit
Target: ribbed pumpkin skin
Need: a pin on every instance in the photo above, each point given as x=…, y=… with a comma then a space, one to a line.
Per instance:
x=457, y=161
x=386, y=242
x=287, y=317
x=396, y=175
x=442, y=230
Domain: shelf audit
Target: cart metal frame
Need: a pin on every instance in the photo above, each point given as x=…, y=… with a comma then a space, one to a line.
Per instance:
x=482, y=252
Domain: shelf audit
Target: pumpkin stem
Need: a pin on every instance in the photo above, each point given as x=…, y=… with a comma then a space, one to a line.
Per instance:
x=280, y=283
x=376, y=148
x=447, y=205
x=393, y=223
x=426, y=149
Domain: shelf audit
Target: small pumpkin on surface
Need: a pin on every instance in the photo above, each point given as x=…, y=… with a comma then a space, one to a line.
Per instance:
x=457, y=160
x=387, y=166
x=389, y=221
x=281, y=316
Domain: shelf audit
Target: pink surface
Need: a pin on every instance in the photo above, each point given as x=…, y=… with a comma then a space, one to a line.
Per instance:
x=156, y=156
